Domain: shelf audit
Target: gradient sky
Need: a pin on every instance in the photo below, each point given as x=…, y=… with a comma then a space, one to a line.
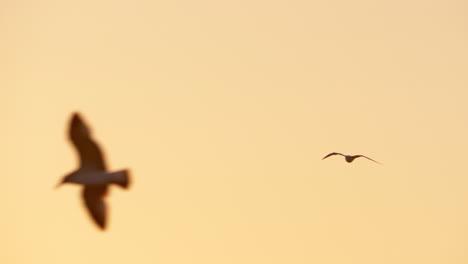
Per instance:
x=223, y=111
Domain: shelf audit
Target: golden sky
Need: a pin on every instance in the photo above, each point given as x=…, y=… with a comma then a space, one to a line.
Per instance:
x=223, y=110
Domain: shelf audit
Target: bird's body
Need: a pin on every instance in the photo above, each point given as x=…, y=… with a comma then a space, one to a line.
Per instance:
x=92, y=173
x=349, y=158
x=94, y=177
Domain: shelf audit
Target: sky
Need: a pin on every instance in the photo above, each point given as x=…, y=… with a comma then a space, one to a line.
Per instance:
x=223, y=110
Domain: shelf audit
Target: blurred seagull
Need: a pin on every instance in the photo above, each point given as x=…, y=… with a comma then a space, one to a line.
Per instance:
x=92, y=173
x=349, y=158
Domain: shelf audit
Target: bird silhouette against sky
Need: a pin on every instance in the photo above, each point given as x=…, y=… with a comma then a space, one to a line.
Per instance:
x=92, y=172
x=349, y=158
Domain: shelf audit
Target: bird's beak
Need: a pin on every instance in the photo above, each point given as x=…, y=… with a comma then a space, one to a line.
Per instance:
x=58, y=185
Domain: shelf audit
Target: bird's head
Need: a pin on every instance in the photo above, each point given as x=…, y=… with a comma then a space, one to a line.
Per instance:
x=66, y=179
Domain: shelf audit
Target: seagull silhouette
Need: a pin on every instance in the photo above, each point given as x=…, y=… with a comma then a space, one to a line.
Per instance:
x=349, y=158
x=92, y=172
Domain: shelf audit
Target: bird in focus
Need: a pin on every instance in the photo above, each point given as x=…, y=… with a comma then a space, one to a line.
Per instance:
x=349, y=158
x=92, y=172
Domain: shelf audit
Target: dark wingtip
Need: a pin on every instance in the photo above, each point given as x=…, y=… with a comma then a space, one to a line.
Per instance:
x=78, y=127
x=76, y=117
x=102, y=226
x=99, y=221
x=328, y=155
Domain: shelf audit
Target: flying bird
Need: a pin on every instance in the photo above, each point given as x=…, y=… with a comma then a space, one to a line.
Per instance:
x=349, y=158
x=92, y=172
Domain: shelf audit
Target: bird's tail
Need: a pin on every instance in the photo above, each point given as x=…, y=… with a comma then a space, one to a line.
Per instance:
x=121, y=178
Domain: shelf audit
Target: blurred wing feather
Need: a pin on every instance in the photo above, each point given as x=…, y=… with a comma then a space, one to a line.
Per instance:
x=369, y=159
x=93, y=197
x=88, y=150
x=332, y=154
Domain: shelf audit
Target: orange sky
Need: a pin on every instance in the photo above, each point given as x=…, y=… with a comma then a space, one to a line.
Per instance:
x=223, y=112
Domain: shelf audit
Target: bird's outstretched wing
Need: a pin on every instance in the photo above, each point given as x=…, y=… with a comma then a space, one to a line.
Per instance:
x=358, y=156
x=331, y=154
x=93, y=197
x=88, y=150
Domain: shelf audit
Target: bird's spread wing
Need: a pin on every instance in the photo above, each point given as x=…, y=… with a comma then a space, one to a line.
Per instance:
x=331, y=154
x=88, y=150
x=93, y=197
x=368, y=159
